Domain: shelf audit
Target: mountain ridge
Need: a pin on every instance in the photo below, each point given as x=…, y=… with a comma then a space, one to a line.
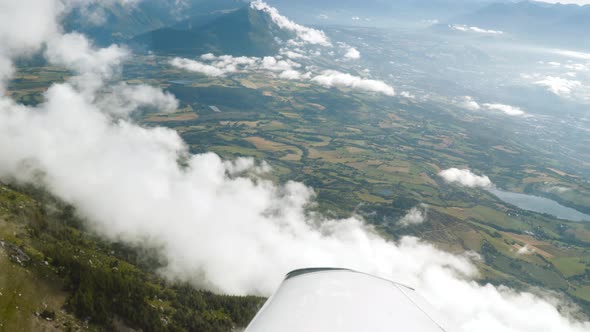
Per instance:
x=241, y=32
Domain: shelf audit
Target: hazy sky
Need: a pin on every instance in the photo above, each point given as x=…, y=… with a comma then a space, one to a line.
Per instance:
x=579, y=2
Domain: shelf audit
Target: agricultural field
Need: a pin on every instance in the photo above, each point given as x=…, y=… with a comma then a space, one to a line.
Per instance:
x=377, y=157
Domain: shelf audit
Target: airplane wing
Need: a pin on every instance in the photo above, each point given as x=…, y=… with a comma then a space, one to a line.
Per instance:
x=342, y=300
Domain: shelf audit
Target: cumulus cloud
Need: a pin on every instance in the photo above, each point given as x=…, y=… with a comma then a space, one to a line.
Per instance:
x=210, y=216
x=506, y=109
x=465, y=28
x=414, y=217
x=294, y=54
x=199, y=67
x=465, y=178
x=407, y=94
x=573, y=54
x=469, y=103
x=559, y=86
x=93, y=66
x=333, y=78
x=352, y=54
x=525, y=250
x=304, y=34
x=216, y=66
x=283, y=68
x=554, y=189
x=578, y=67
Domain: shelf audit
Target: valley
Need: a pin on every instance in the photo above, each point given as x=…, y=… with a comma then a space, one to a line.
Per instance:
x=170, y=181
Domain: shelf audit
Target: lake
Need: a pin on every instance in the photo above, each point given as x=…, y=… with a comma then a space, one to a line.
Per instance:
x=540, y=205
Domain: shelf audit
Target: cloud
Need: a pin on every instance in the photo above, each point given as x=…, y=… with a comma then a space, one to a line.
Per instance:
x=285, y=68
x=209, y=216
x=506, y=109
x=92, y=66
x=574, y=2
x=573, y=54
x=525, y=250
x=17, y=38
x=554, y=189
x=578, y=67
x=277, y=65
x=199, y=67
x=333, y=78
x=293, y=54
x=469, y=103
x=352, y=54
x=414, y=217
x=465, y=28
x=294, y=75
x=123, y=99
x=465, y=178
x=304, y=34
x=407, y=94
x=216, y=66
x=559, y=86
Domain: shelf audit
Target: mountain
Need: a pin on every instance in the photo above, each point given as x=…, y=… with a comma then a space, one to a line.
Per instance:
x=375, y=12
x=555, y=24
x=55, y=276
x=241, y=32
x=113, y=22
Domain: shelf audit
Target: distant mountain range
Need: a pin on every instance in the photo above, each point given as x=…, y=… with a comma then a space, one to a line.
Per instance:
x=545, y=23
x=231, y=27
x=112, y=22
x=240, y=32
x=381, y=12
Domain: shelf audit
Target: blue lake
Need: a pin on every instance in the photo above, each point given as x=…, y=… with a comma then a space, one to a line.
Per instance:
x=540, y=205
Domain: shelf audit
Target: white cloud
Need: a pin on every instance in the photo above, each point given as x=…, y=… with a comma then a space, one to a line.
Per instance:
x=525, y=250
x=506, y=109
x=414, y=217
x=573, y=54
x=574, y=2
x=407, y=94
x=284, y=68
x=293, y=54
x=217, y=66
x=469, y=103
x=91, y=65
x=465, y=178
x=123, y=99
x=352, y=53
x=293, y=75
x=559, y=86
x=277, y=65
x=305, y=34
x=332, y=78
x=199, y=67
x=465, y=28
x=208, y=219
x=554, y=189
x=578, y=67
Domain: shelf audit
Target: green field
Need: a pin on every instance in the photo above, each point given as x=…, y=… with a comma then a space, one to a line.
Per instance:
x=372, y=155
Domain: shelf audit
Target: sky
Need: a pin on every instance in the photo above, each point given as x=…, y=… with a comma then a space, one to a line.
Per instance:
x=578, y=2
